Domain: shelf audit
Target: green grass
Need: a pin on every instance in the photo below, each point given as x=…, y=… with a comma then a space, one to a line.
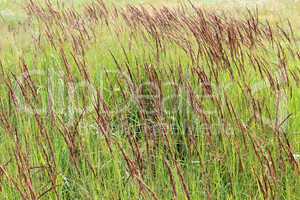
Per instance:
x=109, y=137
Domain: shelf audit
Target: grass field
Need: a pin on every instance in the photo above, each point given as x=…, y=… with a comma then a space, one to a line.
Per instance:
x=149, y=100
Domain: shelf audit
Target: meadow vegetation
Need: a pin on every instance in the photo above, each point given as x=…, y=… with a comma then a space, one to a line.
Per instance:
x=100, y=100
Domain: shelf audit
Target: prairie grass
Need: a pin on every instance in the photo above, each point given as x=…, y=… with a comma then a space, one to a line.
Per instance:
x=114, y=101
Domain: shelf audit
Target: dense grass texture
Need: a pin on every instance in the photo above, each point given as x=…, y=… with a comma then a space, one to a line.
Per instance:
x=115, y=101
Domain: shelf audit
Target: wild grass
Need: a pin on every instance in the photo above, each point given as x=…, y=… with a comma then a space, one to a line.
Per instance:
x=144, y=102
